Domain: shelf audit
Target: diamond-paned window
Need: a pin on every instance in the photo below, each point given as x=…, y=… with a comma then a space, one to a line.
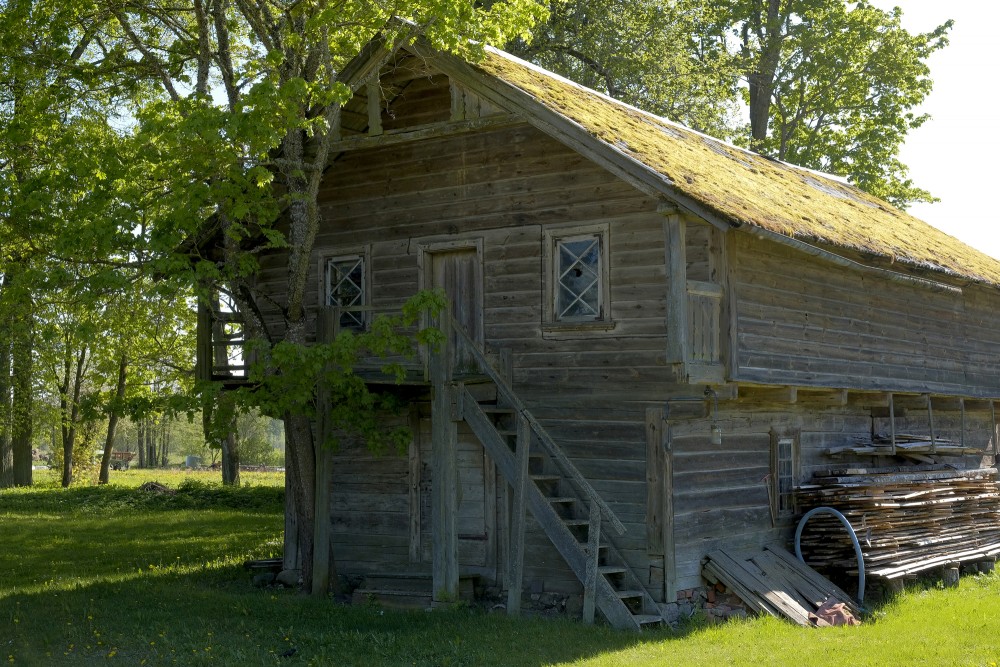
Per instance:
x=345, y=280
x=578, y=278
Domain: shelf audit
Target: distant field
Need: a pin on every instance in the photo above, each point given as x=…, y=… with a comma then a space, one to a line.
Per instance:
x=170, y=476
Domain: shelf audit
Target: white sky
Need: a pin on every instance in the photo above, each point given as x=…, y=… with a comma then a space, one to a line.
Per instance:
x=954, y=154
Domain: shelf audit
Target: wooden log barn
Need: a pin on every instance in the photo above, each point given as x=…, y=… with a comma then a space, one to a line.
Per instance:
x=655, y=336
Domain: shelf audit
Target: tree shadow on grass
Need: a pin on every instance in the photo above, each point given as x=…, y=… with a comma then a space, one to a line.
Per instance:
x=215, y=616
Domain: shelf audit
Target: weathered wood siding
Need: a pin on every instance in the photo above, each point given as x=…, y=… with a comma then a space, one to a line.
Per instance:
x=799, y=322
x=503, y=188
x=721, y=491
x=370, y=512
x=806, y=322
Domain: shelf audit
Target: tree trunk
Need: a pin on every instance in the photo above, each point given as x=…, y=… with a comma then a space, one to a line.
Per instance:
x=231, y=460
x=760, y=80
x=231, y=457
x=151, y=443
x=302, y=461
x=71, y=411
x=165, y=445
x=6, y=450
x=113, y=421
x=140, y=444
x=22, y=401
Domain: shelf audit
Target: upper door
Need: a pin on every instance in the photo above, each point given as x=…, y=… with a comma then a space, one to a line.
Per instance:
x=459, y=272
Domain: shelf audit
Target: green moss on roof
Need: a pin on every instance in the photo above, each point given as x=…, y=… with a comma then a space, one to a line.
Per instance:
x=746, y=188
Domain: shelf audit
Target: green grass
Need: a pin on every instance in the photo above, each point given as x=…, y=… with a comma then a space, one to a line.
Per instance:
x=113, y=575
x=133, y=477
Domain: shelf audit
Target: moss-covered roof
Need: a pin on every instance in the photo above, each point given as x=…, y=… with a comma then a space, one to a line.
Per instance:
x=745, y=188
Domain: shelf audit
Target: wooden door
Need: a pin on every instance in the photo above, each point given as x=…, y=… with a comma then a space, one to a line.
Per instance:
x=459, y=273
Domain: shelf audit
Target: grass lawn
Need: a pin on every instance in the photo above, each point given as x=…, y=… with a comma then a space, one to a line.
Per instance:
x=113, y=575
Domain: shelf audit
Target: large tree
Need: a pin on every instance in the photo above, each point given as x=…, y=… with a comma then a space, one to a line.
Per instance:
x=238, y=135
x=826, y=84
x=832, y=85
x=669, y=57
x=57, y=170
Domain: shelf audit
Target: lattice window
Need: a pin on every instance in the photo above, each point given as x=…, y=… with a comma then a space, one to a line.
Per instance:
x=346, y=281
x=579, y=278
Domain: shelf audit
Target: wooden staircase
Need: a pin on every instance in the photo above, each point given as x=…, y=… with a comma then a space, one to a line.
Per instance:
x=563, y=502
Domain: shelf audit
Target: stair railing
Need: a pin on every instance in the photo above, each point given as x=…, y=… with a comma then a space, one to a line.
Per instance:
x=552, y=449
x=596, y=505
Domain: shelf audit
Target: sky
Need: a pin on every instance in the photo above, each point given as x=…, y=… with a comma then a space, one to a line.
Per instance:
x=954, y=154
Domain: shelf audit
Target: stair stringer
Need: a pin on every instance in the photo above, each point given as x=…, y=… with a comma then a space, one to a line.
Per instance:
x=606, y=598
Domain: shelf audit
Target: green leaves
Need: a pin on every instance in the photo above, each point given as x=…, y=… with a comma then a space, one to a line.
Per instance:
x=668, y=58
x=839, y=88
x=829, y=84
x=291, y=376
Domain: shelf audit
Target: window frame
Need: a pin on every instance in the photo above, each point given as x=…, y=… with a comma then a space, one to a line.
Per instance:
x=783, y=512
x=362, y=254
x=553, y=238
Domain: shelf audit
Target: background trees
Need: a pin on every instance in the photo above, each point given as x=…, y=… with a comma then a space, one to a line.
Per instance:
x=226, y=111
x=130, y=132
x=670, y=58
x=825, y=84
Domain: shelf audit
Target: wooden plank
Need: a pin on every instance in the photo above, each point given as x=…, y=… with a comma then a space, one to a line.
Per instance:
x=732, y=570
x=677, y=326
x=414, y=468
x=490, y=513
x=593, y=554
x=374, y=107
x=519, y=511
x=669, y=536
x=654, y=482
x=444, y=505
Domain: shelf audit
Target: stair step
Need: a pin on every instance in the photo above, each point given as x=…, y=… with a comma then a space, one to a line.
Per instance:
x=562, y=500
x=577, y=522
x=612, y=569
x=496, y=409
x=647, y=619
x=545, y=478
x=629, y=594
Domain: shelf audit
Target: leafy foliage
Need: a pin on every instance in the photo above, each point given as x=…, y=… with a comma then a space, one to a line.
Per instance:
x=291, y=378
x=827, y=84
x=832, y=85
x=664, y=57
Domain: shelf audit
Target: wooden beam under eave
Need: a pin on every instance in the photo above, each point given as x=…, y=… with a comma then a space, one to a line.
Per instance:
x=676, y=267
x=762, y=394
x=374, y=107
x=833, y=397
x=948, y=403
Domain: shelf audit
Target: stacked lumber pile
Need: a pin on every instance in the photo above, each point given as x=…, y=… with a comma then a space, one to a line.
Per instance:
x=919, y=448
x=774, y=582
x=907, y=519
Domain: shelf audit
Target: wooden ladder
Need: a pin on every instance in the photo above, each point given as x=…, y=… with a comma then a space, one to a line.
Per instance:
x=563, y=502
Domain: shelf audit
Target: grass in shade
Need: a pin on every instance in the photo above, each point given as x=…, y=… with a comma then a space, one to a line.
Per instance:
x=114, y=575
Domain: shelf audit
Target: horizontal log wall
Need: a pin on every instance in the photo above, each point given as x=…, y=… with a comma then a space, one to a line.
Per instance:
x=504, y=187
x=802, y=321
x=370, y=513
x=720, y=491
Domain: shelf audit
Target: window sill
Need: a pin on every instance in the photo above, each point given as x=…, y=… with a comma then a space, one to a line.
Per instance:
x=561, y=330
